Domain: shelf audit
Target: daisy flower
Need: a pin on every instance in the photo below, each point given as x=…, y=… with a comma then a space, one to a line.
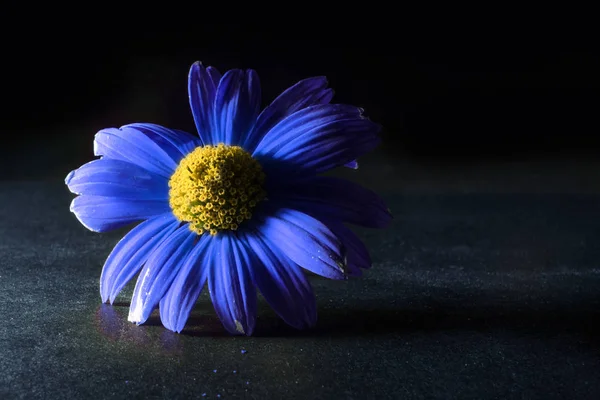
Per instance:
x=242, y=206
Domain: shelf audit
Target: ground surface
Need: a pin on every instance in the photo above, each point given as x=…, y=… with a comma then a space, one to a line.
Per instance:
x=475, y=293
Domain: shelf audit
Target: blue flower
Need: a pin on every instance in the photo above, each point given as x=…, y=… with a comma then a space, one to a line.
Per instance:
x=242, y=206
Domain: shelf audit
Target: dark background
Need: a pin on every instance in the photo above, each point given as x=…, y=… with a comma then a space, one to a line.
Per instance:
x=454, y=93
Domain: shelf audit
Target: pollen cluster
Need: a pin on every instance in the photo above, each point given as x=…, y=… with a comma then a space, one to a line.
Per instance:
x=216, y=188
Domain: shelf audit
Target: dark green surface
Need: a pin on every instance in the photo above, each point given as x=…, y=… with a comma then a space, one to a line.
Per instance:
x=470, y=297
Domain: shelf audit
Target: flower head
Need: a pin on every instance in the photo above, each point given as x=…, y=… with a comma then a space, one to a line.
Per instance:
x=241, y=206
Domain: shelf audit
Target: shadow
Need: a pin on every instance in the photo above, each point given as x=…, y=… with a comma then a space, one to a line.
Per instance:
x=541, y=321
x=574, y=324
x=366, y=322
x=204, y=326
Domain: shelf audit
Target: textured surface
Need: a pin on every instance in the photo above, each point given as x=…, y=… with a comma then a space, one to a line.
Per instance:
x=482, y=296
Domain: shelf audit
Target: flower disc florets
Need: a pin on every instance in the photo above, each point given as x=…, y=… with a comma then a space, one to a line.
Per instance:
x=216, y=188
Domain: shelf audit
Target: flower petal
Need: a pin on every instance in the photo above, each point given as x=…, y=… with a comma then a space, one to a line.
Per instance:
x=116, y=178
x=307, y=92
x=215, y=75
x=202, y=89
x=237, y=105
x=330, y=197
x=131, y=145
x=231, y=289
x=352, y=164
x=357, y=254
x=317, y=139
x=177, y=303
x=282, y=283
x=306, y=241
x=175, y=142
x=102, y=214
x=131, y=253
x=159, y=272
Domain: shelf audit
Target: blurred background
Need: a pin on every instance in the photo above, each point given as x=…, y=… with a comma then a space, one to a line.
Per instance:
x=465, y=106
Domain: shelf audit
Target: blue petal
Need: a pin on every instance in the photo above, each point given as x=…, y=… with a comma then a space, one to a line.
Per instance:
x=131, y=252
x=175, y=142
x=307, y=92
x=176, y=305
x=159, y=272
x=132, y=145
x=357, y=255
x=282, y=283
x=352, y=164
x=306, y=241
x=237, y=105
x=330, y=197
x=231, y=289
x=102, y=214
x=317, y=139
x=116, y=178
x=202, y=90
x=215, y=75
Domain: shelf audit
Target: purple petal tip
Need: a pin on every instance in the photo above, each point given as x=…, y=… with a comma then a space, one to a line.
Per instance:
x=69, y=177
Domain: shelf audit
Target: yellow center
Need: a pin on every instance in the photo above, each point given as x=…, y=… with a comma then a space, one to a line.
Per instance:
x=216, y=188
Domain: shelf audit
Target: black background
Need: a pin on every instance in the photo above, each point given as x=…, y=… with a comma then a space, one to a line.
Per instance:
x=460, y=89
